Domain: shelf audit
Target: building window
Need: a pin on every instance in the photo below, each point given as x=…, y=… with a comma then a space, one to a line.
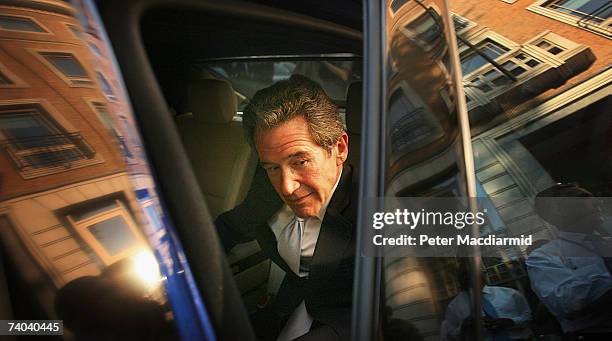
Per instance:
x=549, y=47
x=461, y=23
x=37, y=145
x=411, y=125
x=108, y=228
x=104, y=116
x=592, y=15
x=94, y=48
x=19, y=24
x=397, y=4
x=471, y=61
x=592, y=10
x=105, y=85
x=68, y=66
x=426, y=27
x=75, y=31
x=106, y=119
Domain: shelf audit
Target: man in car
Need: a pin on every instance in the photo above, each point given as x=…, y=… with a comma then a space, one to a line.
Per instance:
x=302, y=213
x=571, y=274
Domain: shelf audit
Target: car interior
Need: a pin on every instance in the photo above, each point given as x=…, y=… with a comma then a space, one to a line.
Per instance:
x=208, y=59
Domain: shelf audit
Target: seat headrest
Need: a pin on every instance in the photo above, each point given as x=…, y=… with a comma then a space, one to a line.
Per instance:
x=354, y=108
x=211, y=101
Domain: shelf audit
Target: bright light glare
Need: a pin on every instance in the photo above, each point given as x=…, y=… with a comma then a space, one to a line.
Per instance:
x=146, y=268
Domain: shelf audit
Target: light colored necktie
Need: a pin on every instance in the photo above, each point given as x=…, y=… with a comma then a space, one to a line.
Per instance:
x=289, y=243
x=290, y=248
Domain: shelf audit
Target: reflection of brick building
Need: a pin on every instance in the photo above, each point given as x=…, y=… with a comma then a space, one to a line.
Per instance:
x=67, y=204
x=550, y=125
x=538, y=96
x=545, y=54
x=421, y=123
x=423, y=136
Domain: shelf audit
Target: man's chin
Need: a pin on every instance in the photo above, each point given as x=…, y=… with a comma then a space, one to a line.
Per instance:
x=304, y=212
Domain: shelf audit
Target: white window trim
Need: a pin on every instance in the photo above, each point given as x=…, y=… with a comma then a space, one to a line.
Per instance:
x=599, y=29
x=470, y=25
x=547, y=61
x=88, y=82
x=481, y=35
x=82, y=228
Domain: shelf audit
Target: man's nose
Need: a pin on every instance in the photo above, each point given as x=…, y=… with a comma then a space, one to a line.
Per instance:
x=289, y=183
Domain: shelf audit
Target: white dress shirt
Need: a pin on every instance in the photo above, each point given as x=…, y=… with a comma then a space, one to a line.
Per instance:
x=300, y=321
x=508, y=303
x=568, y=275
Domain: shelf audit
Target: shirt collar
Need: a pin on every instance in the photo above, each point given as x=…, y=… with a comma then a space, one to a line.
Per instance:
x=331, y=194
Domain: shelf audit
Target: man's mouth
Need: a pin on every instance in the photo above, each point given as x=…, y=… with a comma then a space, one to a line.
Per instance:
x=300, y=200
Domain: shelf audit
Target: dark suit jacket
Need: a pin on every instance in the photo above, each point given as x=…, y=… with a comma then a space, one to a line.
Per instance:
x=327, y=290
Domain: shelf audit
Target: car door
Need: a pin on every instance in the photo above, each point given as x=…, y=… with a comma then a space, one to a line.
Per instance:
x=152, y=37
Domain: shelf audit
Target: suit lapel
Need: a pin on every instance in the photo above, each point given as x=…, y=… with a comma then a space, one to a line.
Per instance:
x=336, y=230
x=268, y=243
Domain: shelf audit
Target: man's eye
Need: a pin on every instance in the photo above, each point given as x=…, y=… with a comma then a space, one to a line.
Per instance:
x=301, y=163
x=271, y=169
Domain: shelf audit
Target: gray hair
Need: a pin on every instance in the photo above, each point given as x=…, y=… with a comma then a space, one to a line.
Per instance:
x=286, y=99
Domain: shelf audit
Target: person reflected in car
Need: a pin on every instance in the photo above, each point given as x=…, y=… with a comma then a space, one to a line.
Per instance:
x=571, y=274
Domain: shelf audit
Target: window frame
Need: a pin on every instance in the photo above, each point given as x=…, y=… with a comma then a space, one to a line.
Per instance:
x=33, y=20
x=79, y=82
x=74, y=30
x=82, y=229
x=541, y=7
x=104, y=82
x=481, y=36
x=56, y=122
x=469, y=23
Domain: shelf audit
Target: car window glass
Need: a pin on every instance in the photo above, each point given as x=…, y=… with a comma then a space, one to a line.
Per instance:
x=83, y=235
x=334, y=75
x=542, y=159
x=541, y=154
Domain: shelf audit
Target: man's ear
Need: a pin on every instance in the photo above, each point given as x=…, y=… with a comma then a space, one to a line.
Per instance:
x=342, y=148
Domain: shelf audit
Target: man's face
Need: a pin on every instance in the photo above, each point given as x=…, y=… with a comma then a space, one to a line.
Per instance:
x=302, y=172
